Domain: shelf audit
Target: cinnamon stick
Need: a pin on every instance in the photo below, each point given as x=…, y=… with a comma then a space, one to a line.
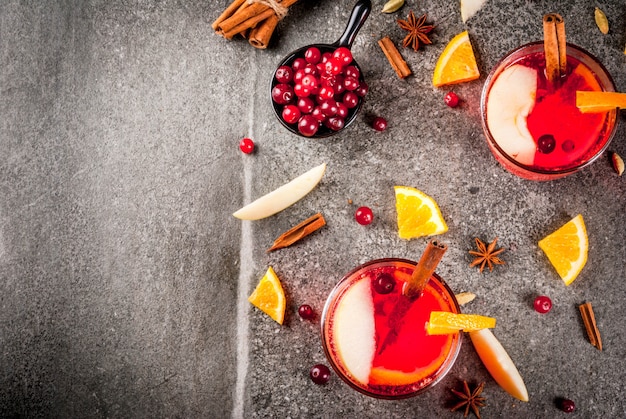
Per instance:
x=395, y=58
x=424, y=269
x=260, y=35
x=228, y=12
x=298, y=232
x=589, y=320
x=554, y=45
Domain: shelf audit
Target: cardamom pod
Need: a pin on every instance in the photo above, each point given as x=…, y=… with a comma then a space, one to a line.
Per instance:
x=601, y=21
x=392, y=6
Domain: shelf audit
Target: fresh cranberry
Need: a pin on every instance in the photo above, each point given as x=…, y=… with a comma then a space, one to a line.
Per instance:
x=326, y=56
x=282, y=94
x=246, y=145
x=364, y=216
x=320, y=374
x=333, y=66
x=379, y=123
x=325, y=93
x=339, y=85
x=343, y=55
x=329, y=107
x=451, y=99
x=313, y=55
x=352, y=71
x=350, y=83
x=298, y=63
x=306, y=104
x=301, y=90
x=335, y=123
x=351, y=100
x=342, y=110
x=384, y=283
x=362, y=90
x=546, y=144
x=298, y=75
x=311, y=69
x=309, y=81
x=318, y=114
x=542, y=304
x=308, y=125
x=568, y=146
x=306, y=312
x=284, y=74
x=567, y=405
x=291, y=114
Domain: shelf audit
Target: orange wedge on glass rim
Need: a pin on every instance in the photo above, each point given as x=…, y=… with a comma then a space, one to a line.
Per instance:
x=499, y=363
x=444, y=322
x=567, y=248
x=593, y=102
x=457, y=62
x=269, y=296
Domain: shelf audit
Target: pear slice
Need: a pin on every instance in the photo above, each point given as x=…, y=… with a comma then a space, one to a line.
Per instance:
x=499, y=363
x=283, y=197
x=469, y=8
x=511, y=99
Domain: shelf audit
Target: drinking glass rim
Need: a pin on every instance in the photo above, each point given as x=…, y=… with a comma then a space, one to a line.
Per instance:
x=483, y=111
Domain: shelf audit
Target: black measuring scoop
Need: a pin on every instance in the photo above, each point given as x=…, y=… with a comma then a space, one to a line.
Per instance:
x=359, y=15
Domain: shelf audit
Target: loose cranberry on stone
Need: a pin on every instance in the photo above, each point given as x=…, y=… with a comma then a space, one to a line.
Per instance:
x=379, y=123
x=320, y=374
x=567, y=405
x=451, y=99
x=364, y=216
x=246, y=145
x=542, y=304
x=306, y=312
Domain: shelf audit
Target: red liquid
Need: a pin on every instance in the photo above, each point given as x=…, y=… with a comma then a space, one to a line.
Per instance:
x=555, y=113
x=405, y=359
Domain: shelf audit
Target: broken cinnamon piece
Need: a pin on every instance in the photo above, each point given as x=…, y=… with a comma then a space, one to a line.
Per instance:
x=298, y=232
x=554, y=44
x=589, y=321
x=395, y=58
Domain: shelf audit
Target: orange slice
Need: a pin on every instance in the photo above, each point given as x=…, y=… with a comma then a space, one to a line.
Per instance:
x=499, y=363
x=269, y=296
x=567, y=248
x=418, y=214
x=595, y=102
x=457, y=63
x=444, y=322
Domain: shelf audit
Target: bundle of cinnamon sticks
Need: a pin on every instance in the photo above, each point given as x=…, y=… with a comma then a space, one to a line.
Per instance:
x=255, y=20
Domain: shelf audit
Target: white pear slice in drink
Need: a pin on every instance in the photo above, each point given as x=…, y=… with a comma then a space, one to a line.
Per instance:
x=283, y=197
x=510, y=101
x=354, y=331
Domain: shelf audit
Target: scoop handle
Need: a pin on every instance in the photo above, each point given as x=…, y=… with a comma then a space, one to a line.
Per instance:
x=357, y=18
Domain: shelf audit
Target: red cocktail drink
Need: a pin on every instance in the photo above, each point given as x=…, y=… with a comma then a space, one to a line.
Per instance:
x=378, y=350
x=533, y=127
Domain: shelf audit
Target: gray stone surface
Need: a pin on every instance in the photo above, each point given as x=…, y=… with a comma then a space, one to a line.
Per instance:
x=124, y=276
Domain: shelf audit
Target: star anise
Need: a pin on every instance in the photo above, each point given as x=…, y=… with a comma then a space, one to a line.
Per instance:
x=470, y=400
x=486, y=255
x=418, y=31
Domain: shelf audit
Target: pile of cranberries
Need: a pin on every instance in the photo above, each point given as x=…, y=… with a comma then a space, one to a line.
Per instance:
x=319, y=91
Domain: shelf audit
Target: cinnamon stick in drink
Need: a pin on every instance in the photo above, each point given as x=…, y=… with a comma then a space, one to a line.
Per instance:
x=554, y=44
x=424, y=269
